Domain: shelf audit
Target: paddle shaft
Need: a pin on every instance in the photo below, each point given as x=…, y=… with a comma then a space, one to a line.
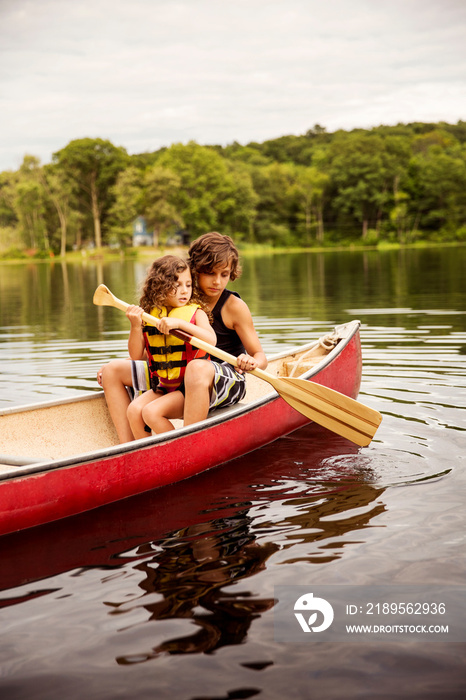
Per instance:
x=197, y=342
x=290, y=389
x=330, y=408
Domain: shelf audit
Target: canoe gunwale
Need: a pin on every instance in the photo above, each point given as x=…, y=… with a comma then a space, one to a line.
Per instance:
x=136, y=445
x=347, y=330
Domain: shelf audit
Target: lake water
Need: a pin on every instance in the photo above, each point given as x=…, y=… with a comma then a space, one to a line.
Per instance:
x=172, y=594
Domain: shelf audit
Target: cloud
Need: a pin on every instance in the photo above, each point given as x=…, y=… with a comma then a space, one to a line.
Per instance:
x=152, y=72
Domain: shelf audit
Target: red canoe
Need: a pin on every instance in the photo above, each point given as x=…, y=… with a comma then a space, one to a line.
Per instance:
x=61, y=458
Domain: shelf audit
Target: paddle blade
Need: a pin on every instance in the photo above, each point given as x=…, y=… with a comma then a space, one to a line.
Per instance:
x=103, y=296
x=331, y=409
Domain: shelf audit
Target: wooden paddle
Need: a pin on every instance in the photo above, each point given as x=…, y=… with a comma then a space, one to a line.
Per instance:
x=329, y=408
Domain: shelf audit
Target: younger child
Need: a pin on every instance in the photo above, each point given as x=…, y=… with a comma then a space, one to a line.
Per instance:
x=166, y=295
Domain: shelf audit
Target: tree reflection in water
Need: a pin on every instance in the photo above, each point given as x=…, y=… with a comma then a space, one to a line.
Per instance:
x=189, y=571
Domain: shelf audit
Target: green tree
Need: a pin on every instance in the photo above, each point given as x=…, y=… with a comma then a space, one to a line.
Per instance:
x=30, y=204
x=247, y=154
x=60, y=193
x=128, y=203
x=240, y=221
x=399, y=214
x=274, y=185
x=309, y=187
x=363, y=168
x=440, y=177
x=8, y=214
x=161, y=200
x=208, y=193
x=93, y=165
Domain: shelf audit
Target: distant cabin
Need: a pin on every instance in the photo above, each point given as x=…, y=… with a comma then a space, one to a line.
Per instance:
x=141, y=236
x=180, y=237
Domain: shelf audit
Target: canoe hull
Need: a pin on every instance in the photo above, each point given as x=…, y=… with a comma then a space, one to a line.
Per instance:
x=50, y=492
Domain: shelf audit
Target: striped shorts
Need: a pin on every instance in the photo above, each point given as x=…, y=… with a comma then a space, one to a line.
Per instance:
x=229, y=385
x=140, y=377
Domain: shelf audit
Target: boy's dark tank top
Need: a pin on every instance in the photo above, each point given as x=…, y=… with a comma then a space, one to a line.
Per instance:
x=227, y=339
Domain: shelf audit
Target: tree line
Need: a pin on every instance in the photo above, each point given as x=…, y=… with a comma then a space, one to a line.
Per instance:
x=398, y=183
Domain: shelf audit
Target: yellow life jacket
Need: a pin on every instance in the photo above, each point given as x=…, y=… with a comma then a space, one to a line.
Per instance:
x=167, y=354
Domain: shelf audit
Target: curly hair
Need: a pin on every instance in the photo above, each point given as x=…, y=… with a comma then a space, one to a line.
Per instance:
x=161, y=281
x=212, y=250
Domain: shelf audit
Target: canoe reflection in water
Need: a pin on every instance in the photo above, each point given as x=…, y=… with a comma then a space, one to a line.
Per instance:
x=190, y=575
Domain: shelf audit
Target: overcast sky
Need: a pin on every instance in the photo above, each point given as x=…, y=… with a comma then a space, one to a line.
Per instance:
x=149, y=73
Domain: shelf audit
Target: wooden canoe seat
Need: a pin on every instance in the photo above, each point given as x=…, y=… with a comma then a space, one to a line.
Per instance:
x=299, y=364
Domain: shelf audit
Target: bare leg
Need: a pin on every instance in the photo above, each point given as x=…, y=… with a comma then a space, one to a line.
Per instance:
x=198, y=382
x=135, y=410
x=116, y=375
x=156, y=413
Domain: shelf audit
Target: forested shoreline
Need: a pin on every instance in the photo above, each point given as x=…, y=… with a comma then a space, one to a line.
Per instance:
x=387, y=185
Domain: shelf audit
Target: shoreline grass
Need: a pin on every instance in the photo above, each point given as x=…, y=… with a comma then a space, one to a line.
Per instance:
x=246, y=250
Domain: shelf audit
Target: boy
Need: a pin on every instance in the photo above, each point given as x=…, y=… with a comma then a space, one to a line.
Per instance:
x=214, y=261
